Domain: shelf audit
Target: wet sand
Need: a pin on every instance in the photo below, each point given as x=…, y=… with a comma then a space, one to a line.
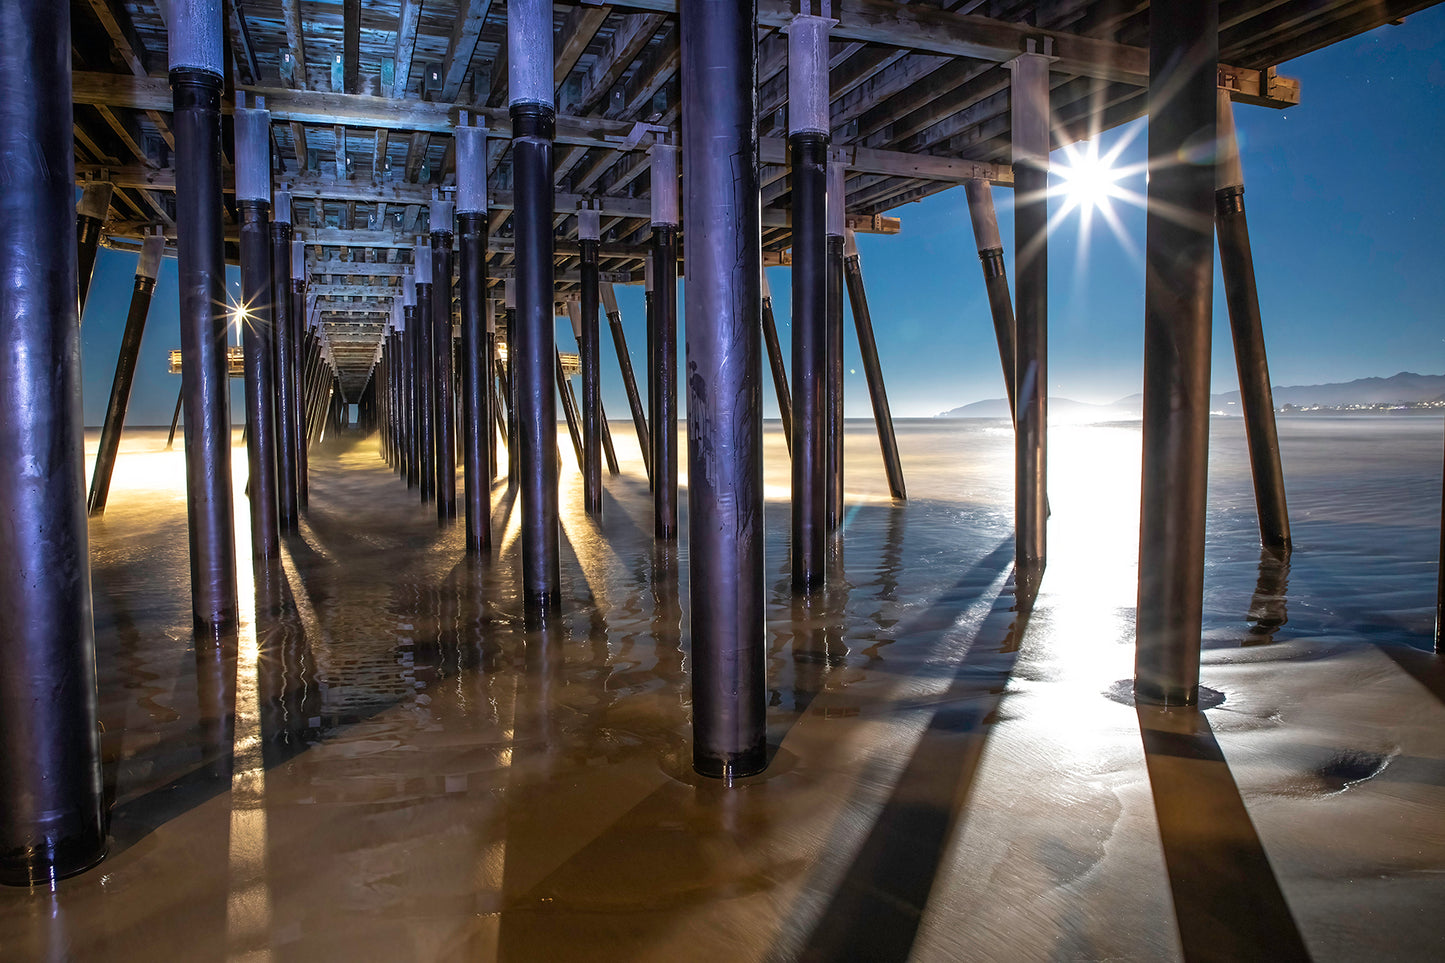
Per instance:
x=386, y=765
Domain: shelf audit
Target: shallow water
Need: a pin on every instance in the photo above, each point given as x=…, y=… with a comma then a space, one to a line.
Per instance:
x=386, y=765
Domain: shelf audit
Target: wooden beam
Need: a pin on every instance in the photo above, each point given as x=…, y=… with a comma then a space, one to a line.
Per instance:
x=627, y=41
x=578, y=29
x=351, y=46
x=296, y=39
x=339, y=133
x=406, y=24
x=248, y=67
x=378, y=155
x=353, y=290
x=471, y=16
x=128, y=133
x=126, y=43
x=657, y=67
x=921, y=27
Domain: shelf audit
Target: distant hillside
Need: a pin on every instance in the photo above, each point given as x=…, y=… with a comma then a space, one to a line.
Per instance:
x=1405, y=386
x=1402, y=388
x=1059, y=408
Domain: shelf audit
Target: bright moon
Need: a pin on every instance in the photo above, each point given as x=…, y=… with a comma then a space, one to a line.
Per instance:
x=1090, y=182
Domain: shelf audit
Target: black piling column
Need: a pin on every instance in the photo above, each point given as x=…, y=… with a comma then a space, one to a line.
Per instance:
x=724, y=387
x=393, y=391
x=445, y=413
x=836, y=220
x=569, y=409
x=51, y=823
x=650, y=317
x=298, y=370
x=808, y=134
x=135, y=322
x=775, y=360
x=1030, y=118
x=589, y=233
x=1440, y=577
x=872, y=369
x=283, y=340
x=90, y=215
x=426, y=360
x=196, y=70
x=664, y=314
x=494, y=399
x=471, y=143
x=533, y=342
x=629, y=379
x=810, y=361
x=410, y=352
x=253, y=200
x=1236, y=263
x=175, y=420
x=995, y=278
x=1179, y=257
x=509, y=391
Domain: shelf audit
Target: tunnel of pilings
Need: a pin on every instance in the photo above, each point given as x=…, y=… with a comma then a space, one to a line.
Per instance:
x=415, y=196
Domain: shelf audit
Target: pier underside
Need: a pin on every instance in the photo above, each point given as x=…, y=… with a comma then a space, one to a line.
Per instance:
x=390, y=767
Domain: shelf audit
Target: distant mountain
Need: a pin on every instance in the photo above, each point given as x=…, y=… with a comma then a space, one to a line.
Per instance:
x=1405, y=387
x=1063, y=409
x=1396, y=389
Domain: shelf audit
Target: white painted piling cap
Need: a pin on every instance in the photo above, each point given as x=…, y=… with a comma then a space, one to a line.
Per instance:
x=281, y=207
x=808, y=90
x=194, y=36
x=95, y=200
x=837, y=214
x=664, y=184
x=253, y=154
x=471, y=169
x=151, y=248
x=440, y=216
x=529, y=52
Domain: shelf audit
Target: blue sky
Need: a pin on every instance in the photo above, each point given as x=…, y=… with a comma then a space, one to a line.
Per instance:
x=1347, y=219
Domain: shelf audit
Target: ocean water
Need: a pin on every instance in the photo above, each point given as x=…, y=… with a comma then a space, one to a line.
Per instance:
x=385, y=763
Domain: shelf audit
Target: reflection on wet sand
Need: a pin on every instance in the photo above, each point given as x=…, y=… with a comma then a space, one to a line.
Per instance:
x=387, y=763
x=1269, y=608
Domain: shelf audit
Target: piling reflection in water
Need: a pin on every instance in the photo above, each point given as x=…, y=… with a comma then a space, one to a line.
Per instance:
x=395, y=765
x=1269, y=608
